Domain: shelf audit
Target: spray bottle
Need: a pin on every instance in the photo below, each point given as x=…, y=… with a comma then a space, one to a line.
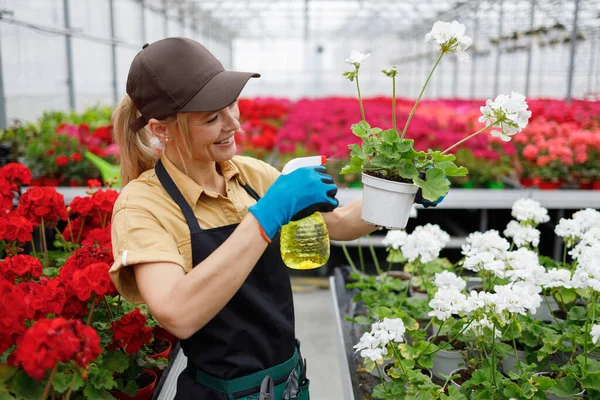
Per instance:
x=305, y=243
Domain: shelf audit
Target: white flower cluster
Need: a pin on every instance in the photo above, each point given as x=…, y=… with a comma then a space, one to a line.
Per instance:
x=450, y=37
x=447, y=302
x=425, y=242
x=573, y=230
x=509, y=113
x=373, y=344
x=485, y=251
x=524, y=264
x=522, y=235
x=477, y=327
x=449, y=280
x=587, y=273
x=529, y=210
x=394, y=239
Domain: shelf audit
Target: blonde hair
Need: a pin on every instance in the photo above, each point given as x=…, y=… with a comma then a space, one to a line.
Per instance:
x=139, y=151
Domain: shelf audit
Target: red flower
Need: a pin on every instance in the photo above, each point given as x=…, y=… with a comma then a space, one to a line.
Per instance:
x=76, y=157
x=48, y=297
x=6, y=195
x=62, y=160
x=81, y=205
x=103, y=133
x=80, y=260
x=74, y=308
x=42, y=203
x=93, y=183
x=16, y=173
x=93, y=279
x=131, y=332
x=50, y=341
x=99, y=237
x=14, y=310
x=104, y=200
x=22, y=266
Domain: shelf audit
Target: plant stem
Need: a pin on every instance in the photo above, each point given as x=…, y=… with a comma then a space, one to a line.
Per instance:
x=348, y=258
x=360, y=257
x=395, y=351
x=92, y=308
x=362, y=110
x=119, y=305
x=420, y=95
x=552, y=313
x=110, y=315
x=467, y=138
x=429, y=344
x=587, y=335
x=68, y=396
x=424, y=281
x=372, y=250
x=564, y=253
x=33, y=248
x=381, y=377
x=44, y=244
x=455, y=337
x=517, y=354
x=49, y=383
x=394, y=103
x=494, y=355
x=62, y=240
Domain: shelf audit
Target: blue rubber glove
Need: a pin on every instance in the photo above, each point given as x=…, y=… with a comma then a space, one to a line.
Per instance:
x=419, y=197
x=294, y=196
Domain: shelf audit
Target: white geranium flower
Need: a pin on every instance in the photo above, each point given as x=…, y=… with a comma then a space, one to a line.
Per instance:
x=529, y=210
x=450, y=37
x=370, y=346
x=518, y=298
x=587, y=219
x=485, y=261
x=425, y=242
x=394, y=239
x=524, y=264
x=570, y=230
x=480, y=300
x=522, y=234
x=356, y=57
x=489, y=241
x=509, y=113
x=477, y=327
x=595, y=333
x=392, y=329
x=447, y=302
x=587, y=273
x=448, y=280
x=588, y=239
x=558, y=278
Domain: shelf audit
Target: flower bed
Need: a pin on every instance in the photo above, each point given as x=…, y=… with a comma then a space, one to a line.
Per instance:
x=65, y=332
x=519, y=324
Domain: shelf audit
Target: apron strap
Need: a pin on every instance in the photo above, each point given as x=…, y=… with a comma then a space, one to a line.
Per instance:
x=175, y=193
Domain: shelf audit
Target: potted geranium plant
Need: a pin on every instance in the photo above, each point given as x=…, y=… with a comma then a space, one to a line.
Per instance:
x=392, y=170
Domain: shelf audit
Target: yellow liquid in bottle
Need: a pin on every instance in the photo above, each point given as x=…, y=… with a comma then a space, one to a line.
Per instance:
x=305, y=243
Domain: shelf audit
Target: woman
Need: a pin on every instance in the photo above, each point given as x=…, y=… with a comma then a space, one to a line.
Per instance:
x=195, y=228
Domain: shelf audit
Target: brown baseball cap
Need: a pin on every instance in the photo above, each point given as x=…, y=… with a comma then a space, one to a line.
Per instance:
x=177, y=75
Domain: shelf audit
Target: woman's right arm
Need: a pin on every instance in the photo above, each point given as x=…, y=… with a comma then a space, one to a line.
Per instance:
x=184, y=303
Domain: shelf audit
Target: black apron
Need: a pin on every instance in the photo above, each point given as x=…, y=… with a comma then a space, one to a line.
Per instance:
x=255, y=330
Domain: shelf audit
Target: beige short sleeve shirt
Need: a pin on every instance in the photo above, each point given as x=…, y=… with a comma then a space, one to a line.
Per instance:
x=148, y=226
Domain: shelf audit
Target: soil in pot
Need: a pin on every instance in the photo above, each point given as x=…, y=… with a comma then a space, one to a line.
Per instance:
x=404, y=276
x=456, y=345
x=159, y=346
x=465, y=375
x=146, y=383
x=386, y=177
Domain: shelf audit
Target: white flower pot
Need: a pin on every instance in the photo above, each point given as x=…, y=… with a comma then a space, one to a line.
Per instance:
x=416, y=294
x=387, y=203
x=510, y=362
x=446, y=361
x=550, y=396
x=542, y=312
x=455, y=371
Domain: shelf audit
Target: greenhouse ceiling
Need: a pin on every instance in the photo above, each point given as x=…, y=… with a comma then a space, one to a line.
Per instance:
x=335, y=19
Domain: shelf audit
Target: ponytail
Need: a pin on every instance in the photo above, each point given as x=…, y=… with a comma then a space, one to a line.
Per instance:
x=139, y=150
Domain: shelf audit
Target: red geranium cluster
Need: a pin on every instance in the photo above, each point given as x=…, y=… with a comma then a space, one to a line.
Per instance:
x=93, y=279
x=12, y=176
x=42, y=204
x=50, y=341
x=131, y=333
x=23, y=266
x=14, y=311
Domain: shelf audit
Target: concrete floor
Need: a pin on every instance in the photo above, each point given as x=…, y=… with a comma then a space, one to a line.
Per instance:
x=317, y=331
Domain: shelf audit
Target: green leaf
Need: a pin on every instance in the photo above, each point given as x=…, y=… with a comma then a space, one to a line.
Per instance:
x=390, y=136
x=357, y=151
x=25, y=387
x=384, y=162
x=360, y=129
x=62, y=381
x=405, y=145
x=408, y=171
x=564, y=387
x=115, y=361
x=6, y=396
x=7, y=372
x=102, y=379
x=355, y=166
x=577, y=314
x=395, y=256
x=566, y=296
x=543, y=382
x=453, y=394
x=592, y=381
x=408, y=352
x=90, y=392
x=450, y=169
x=363, y=320
x=435, y=186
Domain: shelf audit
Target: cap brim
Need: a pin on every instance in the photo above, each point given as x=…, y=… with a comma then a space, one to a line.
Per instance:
x=219, y=92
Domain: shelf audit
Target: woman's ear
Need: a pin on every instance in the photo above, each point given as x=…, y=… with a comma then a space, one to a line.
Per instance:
x=159, y=129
